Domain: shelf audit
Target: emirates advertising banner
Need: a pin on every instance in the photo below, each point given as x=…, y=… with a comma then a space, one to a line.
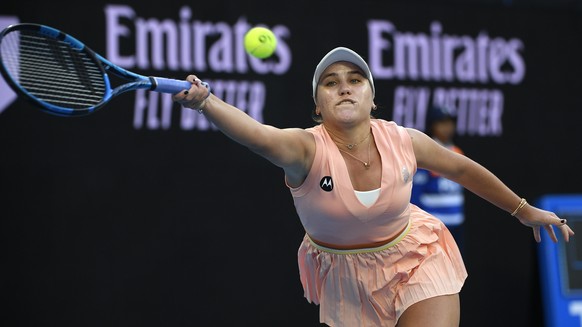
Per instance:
x=464, y=71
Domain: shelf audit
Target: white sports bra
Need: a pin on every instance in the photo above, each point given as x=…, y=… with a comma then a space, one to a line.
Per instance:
x=368, y=198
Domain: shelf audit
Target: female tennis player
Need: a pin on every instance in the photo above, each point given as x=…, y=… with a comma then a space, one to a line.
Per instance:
x=369, y=257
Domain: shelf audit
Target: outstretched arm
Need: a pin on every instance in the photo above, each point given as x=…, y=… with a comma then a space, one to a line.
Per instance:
x=291, y=149
x=477, y=179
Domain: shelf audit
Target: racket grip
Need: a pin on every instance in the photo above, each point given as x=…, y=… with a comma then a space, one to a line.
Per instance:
x=168, y=85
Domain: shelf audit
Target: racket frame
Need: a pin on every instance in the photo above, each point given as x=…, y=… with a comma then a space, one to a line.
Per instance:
x=135, y=81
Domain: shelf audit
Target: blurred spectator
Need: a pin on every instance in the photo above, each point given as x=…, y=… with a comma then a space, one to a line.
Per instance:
x=435, y=194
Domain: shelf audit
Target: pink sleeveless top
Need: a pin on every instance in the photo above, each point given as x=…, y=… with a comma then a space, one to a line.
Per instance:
x=327, y=205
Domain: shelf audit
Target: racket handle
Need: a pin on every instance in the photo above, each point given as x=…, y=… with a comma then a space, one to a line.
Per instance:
x=168, y=85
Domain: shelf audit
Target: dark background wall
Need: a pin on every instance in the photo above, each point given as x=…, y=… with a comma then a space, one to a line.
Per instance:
x=119, y=220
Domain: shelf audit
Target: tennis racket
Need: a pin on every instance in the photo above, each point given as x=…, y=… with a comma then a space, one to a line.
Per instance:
x=62, y=76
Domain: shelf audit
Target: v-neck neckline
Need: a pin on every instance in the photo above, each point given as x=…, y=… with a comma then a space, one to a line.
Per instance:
x=344, y=169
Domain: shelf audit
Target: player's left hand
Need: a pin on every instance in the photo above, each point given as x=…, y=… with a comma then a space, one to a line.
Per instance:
x=536, y=218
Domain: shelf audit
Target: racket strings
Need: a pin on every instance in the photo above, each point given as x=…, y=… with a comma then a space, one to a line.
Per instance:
x=52, y=70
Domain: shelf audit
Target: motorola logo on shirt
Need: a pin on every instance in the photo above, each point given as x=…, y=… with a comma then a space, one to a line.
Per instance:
x=326, y=184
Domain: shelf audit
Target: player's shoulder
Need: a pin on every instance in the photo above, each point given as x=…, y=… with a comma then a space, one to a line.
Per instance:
x=387, y=125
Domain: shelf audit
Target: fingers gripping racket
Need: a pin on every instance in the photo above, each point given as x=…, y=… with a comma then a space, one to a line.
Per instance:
x=62, y=76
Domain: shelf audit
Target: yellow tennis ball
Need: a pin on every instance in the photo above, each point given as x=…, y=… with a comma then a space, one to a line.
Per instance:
x=260, y=42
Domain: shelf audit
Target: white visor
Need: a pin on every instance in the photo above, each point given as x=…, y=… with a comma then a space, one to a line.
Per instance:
x=342, y=54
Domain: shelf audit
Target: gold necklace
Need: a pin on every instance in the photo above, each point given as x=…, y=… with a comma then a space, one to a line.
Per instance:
x=350, y=145
x=366, y=164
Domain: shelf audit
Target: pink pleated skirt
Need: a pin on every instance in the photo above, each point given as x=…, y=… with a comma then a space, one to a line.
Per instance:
x=373, y=287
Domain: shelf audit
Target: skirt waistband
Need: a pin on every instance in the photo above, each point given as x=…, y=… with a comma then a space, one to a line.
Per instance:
x=363, y=250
